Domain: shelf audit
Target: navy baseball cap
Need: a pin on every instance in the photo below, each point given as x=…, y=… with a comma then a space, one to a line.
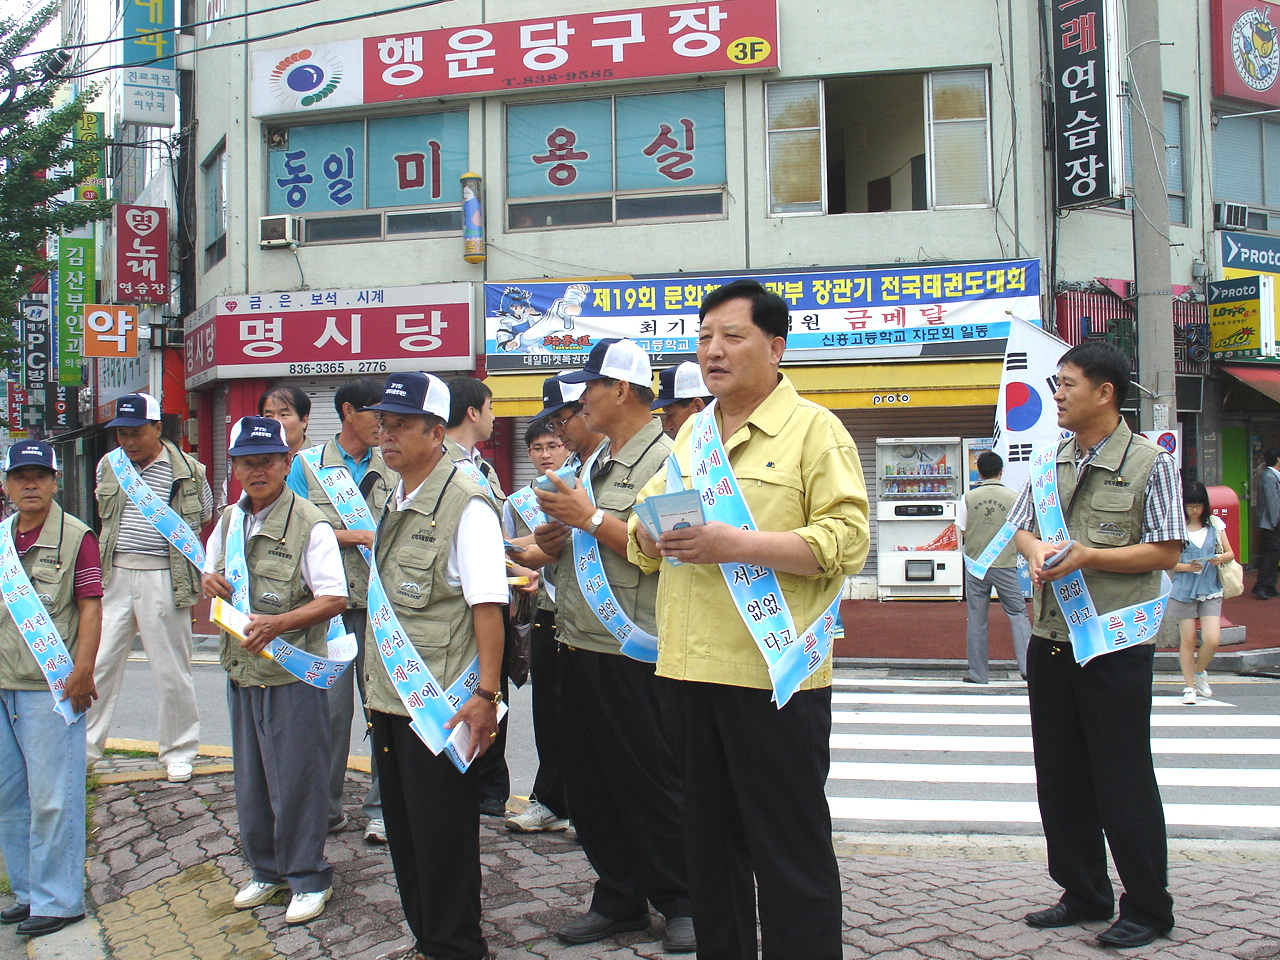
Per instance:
x=681, y=382
x=556, y=394
x=254, y=435
x=136, y=410
x=614, y=359
x=30, y=453
x=414, y=393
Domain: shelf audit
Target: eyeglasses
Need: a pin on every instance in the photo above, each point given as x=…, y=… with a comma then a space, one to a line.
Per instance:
x=560, y=424
x=546, y=447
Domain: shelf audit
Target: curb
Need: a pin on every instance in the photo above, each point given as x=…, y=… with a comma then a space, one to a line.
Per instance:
x=1238, y=662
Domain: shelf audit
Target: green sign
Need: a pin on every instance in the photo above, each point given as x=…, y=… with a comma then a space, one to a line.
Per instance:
x=90, y=174
x=77, y=276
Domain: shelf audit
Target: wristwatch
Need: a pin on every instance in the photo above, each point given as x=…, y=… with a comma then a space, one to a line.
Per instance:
x=593, y=524
x=483, y=694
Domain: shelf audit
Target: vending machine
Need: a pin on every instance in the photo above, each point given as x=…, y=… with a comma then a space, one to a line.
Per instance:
x=919, y=482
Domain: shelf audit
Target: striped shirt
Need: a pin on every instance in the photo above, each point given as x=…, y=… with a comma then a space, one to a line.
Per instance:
x=136, y=534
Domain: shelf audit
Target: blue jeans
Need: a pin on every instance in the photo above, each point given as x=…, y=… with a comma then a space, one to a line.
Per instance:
x=42, y=765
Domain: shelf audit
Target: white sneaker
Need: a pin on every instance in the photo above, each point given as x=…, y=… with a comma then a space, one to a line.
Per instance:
x=1202, y=684
x=307, y=906
x=376, y=831
x=1189, y=696
x=179, y=771
x=255, y=894
x=537, y=819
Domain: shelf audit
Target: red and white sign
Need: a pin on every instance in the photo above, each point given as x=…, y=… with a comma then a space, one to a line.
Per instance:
x=670, y=40
x=1246, y=50
x=110, y=330
x=318, y=332
x=141, y=254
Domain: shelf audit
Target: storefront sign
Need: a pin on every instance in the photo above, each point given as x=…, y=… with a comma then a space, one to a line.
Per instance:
x=61, y=408
x=938, y=310
x=1248, y=255
x=1242, y=318
x=110, y=331
x=35, y=344
x=112, y=379
x=149, y=96
x=670, y=40
x=77, y=285
x=147, y=29
x=1087, y=142
x=1246, y=55
x=313, y=333
x=141, y=254
x=90, y=172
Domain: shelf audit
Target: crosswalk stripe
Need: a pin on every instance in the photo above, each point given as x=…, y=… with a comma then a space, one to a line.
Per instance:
x=1020, y=811
x=978, y=699
x=1256, y=746
x=1189, y=719
x=1215, y=777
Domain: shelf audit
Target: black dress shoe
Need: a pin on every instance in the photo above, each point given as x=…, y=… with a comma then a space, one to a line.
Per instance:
x=1061, y=914
x=1260, y=593
x=40, y=926
x=679, y=937
x=15, y=913
x=1129, y=933
x=1272, y=592
x=493, y=808
x=592, y=926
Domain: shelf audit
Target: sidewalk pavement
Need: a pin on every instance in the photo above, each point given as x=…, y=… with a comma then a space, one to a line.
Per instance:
x=164, y=866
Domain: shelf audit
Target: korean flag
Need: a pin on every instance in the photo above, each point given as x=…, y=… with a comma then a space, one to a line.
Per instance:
x=1026, y=416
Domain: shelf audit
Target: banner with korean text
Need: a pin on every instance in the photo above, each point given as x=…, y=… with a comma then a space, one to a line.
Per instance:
x=77, y=285
x=141, y=261
x=937, y=310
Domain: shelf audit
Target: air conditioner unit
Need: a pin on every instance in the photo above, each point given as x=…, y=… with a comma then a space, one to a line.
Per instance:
x=1230, y=216
x=279, y=231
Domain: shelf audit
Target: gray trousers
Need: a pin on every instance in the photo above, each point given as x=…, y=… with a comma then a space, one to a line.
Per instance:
x=977, y=594
x=280, y=782
x=341, y=710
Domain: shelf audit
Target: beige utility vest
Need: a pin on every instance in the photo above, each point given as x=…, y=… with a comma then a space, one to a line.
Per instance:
x=184, y=498
x=273, y=557
x=379, y=480
x=413, y=562
x=1103, y=509
x=51, y=567
x=987, y=506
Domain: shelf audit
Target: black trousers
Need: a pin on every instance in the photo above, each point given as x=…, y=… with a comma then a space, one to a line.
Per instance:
x=1091, y=729
x=622, y=784
x=1268, y=558
x=756, y=818
x=548, y=784
x=433, y=832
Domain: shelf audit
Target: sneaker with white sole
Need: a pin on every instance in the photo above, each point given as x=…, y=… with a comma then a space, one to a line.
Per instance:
x=179, y=771
x=255, y=894
x=1189, y=696
x=376, y=831
x=536, y=818
x=1202, y=684
x=307, y=906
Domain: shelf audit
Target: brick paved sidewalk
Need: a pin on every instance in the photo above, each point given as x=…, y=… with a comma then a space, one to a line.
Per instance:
x=164, y=866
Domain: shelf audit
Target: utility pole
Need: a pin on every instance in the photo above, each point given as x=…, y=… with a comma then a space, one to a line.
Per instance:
x=1153, y=282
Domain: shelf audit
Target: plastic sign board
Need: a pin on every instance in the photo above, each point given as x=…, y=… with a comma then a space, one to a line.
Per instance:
x=110, y=330
x=1242, y=318
x=1246, y=50
x=141, y=254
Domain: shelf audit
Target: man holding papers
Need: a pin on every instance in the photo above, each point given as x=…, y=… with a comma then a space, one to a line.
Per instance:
x=153, y=500
x=433, y=662
x=49, y=632
x=273, y=558
x=1117, y=496
x=745, y=624
x=621, y=779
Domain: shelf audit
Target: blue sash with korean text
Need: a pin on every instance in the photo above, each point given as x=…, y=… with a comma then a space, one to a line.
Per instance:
x=982, y=563
x=340, y=487
x=322, y=672
x=791, y=657
x=1092, y=635
x=468, y=468
x=525, y=502
x=34, y=623
x=429, y=705
x=588, y=566
x=154, y=510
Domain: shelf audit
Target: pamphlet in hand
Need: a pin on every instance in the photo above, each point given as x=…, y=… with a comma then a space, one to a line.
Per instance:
x=566, y=473
x=671, y=511
x=458, y=747
x=233, y=621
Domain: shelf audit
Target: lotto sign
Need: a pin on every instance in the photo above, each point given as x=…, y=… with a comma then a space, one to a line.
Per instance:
x=669, y=40
x=110, y=331
x=141, y=254
x=1242, y=318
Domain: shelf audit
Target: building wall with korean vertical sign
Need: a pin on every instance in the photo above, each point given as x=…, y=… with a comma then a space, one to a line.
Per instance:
x=77, y=285
x=141, y=254
x=1246, y=54
x=669, y=40
x=1088, y=147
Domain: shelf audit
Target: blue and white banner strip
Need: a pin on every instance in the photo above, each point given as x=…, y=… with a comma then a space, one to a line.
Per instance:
x=154, y=510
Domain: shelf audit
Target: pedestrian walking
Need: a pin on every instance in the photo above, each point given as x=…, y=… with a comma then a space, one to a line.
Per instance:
x=1197, y=591
x=1268, y=505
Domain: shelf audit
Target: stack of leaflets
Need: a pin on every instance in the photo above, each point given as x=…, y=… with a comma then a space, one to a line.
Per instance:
x=671, y=511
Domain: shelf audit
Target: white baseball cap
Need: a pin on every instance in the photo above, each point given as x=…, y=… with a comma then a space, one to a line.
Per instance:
x=681, y=382
x=614, y=359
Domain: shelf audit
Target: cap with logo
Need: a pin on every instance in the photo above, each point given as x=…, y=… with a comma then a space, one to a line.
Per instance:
x=136, y=410
x=616, y=360
x=556, y=394
x=30, y=453
x=254, y=435
x=414, y=393
x=681, y=382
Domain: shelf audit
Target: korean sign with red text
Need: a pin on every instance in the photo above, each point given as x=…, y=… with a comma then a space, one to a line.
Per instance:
x=318, y=332
x=1246, y=55
x=141, y=254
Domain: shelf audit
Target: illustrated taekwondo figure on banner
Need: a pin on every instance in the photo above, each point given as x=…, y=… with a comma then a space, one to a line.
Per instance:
x=275, y=573
x=153, y=500
x=746, y=619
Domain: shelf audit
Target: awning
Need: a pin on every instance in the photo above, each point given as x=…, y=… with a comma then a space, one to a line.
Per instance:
x=838, y=387
x=1263, y=378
